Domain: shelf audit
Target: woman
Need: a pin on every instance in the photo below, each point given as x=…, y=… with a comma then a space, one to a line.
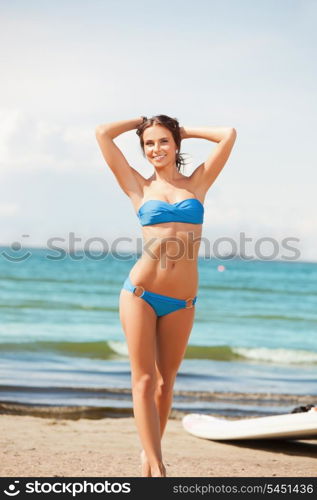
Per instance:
x=157, y=301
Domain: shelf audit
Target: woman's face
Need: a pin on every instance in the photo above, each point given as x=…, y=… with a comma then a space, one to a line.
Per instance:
x=159, y=146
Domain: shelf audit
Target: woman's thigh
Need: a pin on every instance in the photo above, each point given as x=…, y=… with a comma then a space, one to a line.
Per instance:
x=138, y=321
x=173, y=331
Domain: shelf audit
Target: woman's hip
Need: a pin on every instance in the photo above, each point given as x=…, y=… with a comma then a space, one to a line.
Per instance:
x=161, y=304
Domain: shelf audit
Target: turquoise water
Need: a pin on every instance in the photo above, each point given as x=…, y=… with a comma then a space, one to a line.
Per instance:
x=255, y=329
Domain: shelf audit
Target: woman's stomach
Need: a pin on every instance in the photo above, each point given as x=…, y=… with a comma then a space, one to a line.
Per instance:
x=168, y=264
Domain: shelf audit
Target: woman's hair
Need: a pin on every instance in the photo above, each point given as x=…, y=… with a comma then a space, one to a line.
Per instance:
x=172, y=125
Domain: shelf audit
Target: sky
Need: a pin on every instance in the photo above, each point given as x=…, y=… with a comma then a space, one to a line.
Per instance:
x=68, y=66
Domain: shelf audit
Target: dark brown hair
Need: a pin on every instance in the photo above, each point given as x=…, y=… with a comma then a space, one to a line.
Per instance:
x=172, y=125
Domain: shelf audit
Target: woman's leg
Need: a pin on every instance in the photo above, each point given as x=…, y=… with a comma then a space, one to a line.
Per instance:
x=138, y=320
x=173, y=332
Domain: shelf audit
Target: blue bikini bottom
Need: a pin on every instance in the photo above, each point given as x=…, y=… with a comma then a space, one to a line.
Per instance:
x=161, y=304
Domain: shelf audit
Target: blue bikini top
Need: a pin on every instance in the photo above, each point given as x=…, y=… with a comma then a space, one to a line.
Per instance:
x=152, y=212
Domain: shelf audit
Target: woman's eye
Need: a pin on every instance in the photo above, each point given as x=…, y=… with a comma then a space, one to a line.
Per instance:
x=151, y=143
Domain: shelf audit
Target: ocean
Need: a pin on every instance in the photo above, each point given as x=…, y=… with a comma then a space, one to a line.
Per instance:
x=252, y=350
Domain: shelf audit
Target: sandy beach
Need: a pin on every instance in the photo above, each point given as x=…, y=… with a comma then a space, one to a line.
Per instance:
x=109, y=447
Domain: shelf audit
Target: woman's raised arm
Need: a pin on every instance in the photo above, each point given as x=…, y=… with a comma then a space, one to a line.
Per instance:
x=206, y=173
x=128, y=178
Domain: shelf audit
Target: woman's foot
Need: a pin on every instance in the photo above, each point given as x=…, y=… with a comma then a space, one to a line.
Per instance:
x=158, y=471
x=145, y=466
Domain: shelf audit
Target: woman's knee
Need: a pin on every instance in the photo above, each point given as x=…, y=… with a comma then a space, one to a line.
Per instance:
x=165, y=384
x=144, y=385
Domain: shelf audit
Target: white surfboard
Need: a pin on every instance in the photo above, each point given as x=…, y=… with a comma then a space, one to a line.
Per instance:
x=290, y=426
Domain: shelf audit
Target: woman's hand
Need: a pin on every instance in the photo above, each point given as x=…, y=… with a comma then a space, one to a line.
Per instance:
x=182, y=132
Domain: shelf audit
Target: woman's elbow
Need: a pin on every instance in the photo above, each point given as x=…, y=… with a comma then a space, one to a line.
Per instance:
x=233, y=132
x=101, y=129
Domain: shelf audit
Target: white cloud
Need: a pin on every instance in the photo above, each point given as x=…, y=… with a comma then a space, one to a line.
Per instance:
x=8, y=209
x=31, y=142
x=8, y=123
